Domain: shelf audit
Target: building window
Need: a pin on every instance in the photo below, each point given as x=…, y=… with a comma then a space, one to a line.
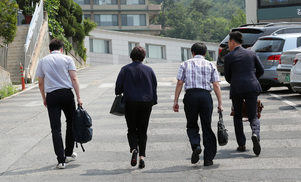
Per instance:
x=87, y=16
x=82, y=2
x=106, y=20
x=132, y=2
x=186, y=54
x=131, y=46
x=100, y=46
x=155, y=51
x=133, y=20
x=104, y=2
x=277, y=3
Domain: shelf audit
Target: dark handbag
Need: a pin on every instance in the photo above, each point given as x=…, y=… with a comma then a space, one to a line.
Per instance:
x=222, y=135
x=81, y=126
x=244, y=109
x=118, y=106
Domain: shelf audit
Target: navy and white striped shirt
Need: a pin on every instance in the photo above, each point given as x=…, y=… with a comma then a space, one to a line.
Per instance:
x=198, y=73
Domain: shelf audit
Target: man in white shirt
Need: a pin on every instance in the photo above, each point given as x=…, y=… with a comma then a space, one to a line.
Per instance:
x=57, y=76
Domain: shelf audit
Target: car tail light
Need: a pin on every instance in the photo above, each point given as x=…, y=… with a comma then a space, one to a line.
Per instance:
x=220, y=49
x=274, y=58
x=280, y=60
x=295, y=62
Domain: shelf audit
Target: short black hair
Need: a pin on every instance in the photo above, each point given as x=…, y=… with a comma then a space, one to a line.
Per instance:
x=236, y=36
x=56, y=44
x=199, y=49
x=138, y=53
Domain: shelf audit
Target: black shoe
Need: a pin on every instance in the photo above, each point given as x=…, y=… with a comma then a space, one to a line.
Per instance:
x=134, y=158
x=141, y=164
x=195, y=155
x=208, y=163
x=241, y=148
x=256, y=144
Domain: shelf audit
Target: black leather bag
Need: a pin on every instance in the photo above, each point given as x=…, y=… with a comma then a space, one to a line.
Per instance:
x=118, y=106
x=222, y=135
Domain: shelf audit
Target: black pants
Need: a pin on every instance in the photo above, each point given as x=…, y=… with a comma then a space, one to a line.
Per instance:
x=58, y=100
x=198, y=103
x=251, y=106
x=137, y=118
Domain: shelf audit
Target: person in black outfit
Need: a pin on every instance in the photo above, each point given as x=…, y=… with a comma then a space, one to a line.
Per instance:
x=138, y=84
x=242, y=70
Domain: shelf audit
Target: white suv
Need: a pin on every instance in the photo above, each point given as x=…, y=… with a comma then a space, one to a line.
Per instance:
x=295, y=79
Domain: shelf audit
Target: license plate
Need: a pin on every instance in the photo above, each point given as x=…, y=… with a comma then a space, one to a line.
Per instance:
x=287, y=77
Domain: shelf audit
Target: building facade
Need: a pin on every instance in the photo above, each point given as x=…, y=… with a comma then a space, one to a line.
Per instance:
x=273, y=11
x=114, y=47
x=123, y=15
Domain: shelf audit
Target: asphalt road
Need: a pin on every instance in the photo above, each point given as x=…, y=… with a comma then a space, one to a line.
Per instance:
x=26, y=152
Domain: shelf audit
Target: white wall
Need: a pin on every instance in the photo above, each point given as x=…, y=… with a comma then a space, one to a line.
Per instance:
x=120, y=50
x=251, y=11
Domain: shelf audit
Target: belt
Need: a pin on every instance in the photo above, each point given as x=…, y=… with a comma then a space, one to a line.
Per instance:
x=196, y=89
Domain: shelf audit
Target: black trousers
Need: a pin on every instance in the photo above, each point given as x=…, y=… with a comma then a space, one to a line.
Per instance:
x=251, y=106
x=58, y=101
x=198, y=103
x=137, y=118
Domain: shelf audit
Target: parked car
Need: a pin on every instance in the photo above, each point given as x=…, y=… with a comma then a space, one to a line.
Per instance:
x=269, y=49
x=285, y=65
x=251, y=33
x=295, y=77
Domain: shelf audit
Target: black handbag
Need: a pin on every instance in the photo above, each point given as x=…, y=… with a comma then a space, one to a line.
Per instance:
x=222, y=135
x=118, y=106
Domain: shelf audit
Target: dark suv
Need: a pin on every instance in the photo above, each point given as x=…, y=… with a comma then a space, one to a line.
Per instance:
x=251, y=33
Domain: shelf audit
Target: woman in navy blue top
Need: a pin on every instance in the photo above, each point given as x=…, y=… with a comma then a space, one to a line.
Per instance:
x=138, y=84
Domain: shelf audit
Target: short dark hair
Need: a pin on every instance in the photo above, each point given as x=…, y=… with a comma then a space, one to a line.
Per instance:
x=138, y=53
x=236, y=36
x=56, y=44
x=199, y=49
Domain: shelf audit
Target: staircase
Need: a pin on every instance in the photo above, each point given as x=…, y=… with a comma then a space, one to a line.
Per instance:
x=16, y=54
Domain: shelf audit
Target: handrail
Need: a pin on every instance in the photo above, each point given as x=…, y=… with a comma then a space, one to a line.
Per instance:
x=32, y=36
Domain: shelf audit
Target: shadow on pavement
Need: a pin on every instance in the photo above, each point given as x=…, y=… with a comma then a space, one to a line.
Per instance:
x=227, y=154
x=32, y=171
x=94, y=172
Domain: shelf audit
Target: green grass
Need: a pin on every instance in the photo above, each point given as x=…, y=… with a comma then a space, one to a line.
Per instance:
x=7, y=90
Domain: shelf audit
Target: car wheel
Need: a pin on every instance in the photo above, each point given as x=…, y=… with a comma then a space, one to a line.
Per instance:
x=265, y=87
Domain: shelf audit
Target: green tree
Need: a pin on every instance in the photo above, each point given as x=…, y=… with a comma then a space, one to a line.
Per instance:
x=65, y=22
x=201, y=6
x=8, y=20
x=238, y=18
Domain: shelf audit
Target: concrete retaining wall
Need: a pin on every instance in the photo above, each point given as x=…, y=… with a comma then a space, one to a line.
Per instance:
x=4, y=77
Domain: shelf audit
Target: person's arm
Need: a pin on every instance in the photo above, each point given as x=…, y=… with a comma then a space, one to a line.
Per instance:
x=42, y=89
x=227, y=69
x=177, y=95
x=75, y=84
x=218, y=94
x=119, y=83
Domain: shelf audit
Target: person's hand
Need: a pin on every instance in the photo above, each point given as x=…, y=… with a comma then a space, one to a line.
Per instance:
x=79, y=102
x=220, y=107
x=176, y=107
x=44, y=102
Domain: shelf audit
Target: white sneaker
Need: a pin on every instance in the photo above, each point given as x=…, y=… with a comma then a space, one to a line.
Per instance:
x=61, y=166
x=71, y=158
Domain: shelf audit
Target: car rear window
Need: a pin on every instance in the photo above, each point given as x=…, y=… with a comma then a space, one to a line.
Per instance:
x=250, y=35
x=268, y=45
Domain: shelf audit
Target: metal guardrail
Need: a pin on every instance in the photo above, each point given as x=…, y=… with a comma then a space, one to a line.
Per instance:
x=32, y=36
